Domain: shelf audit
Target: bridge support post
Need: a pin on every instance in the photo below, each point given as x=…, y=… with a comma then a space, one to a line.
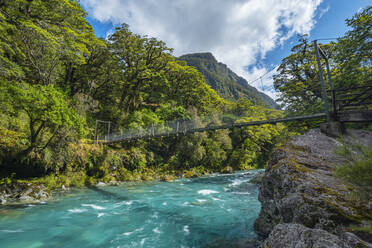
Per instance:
x=333, y=129
x=324, y=92
x=332, y=90
x=108, y=130
x=95, y=133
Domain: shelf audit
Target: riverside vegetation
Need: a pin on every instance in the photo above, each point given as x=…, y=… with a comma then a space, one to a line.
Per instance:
x=57, y=78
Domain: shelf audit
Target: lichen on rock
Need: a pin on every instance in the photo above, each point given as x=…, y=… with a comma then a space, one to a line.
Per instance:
x=299, y=236
x=299, y=187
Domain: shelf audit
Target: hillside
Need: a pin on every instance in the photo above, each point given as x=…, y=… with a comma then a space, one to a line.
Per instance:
x=222, y=79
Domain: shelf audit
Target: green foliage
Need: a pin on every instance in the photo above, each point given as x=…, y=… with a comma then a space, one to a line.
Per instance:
x=359, y=169
x=195, y=172
x=44, y=41
x=366, y=228
x=57, y=79
x=142, y=62
x=142, y=118
x=298, y=80
x=169, y=112
x=350, y=65
x=47, y=111
x=188, y=88
x=353, y=52
x=217, y=148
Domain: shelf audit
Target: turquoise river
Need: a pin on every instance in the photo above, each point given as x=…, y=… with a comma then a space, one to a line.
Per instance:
x=212, y=211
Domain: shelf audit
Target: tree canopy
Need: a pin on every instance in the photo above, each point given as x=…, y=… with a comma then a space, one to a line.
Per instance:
x=350, y=61
x=57, y=78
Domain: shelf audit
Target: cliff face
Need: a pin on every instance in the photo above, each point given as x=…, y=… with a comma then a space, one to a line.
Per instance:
x=303, y=203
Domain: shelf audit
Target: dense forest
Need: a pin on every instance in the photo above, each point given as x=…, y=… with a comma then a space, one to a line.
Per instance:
x=57, y=78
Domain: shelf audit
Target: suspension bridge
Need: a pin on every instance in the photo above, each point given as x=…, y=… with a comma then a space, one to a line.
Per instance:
x=347, y=105
x=353, y=105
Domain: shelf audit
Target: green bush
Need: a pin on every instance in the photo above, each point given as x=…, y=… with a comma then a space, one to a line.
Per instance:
x=359, y=169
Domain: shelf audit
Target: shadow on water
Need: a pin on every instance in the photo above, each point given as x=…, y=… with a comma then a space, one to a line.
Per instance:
x=244, y=187
x=108, y=194
x=221, y=178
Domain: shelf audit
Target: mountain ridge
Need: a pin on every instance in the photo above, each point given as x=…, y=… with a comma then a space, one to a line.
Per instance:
x=226, y=82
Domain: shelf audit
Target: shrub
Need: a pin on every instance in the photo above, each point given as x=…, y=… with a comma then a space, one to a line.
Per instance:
x=359, y=168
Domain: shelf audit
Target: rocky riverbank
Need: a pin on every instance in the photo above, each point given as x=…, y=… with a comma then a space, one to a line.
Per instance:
x=21, y=193
x=304, y=204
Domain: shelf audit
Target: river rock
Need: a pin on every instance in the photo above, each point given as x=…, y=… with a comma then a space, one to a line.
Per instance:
x=114, y=183
x=168, y=178
x=299, y=236
x=256, y=179
x=23, y=193
x=227, y=170
x=34, y=193
x=191, y=174
x=100, y=184
x=299, y=187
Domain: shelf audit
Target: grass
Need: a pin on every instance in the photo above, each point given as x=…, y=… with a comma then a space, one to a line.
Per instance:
x=358, y=169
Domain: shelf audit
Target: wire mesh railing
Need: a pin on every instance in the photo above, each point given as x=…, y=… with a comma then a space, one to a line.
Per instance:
x=183, y=127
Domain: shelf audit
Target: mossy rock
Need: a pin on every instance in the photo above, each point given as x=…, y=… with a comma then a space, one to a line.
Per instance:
x=147, y=177
x=191, y=174
x=227, y=170
x=168, y=178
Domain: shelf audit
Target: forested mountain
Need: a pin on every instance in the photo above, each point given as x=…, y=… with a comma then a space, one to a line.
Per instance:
x=57, y=78
x=223, y=80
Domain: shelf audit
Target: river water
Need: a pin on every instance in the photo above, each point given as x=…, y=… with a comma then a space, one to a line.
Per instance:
x=212, y=211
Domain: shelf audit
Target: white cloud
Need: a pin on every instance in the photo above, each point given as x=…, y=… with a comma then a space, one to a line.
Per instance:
x=238, y=32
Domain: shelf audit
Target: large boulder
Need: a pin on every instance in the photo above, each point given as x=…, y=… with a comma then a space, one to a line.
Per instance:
x=299, y=236
x=299, y=186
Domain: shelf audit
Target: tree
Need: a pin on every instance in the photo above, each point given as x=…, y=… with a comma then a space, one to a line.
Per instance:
x=141, y=62
x=188, y=88
x=47, y=112
x=47, y=39
x=354, y=52
x=350, y=61
x=298, y=79
x=9, y=69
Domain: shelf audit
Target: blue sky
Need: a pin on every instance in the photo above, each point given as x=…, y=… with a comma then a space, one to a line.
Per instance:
x=250, y=36
x=330, y=25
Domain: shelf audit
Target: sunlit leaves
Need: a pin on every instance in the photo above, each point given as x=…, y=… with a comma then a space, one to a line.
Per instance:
x=46, y=109
x=354, y=52
x=45, y=37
